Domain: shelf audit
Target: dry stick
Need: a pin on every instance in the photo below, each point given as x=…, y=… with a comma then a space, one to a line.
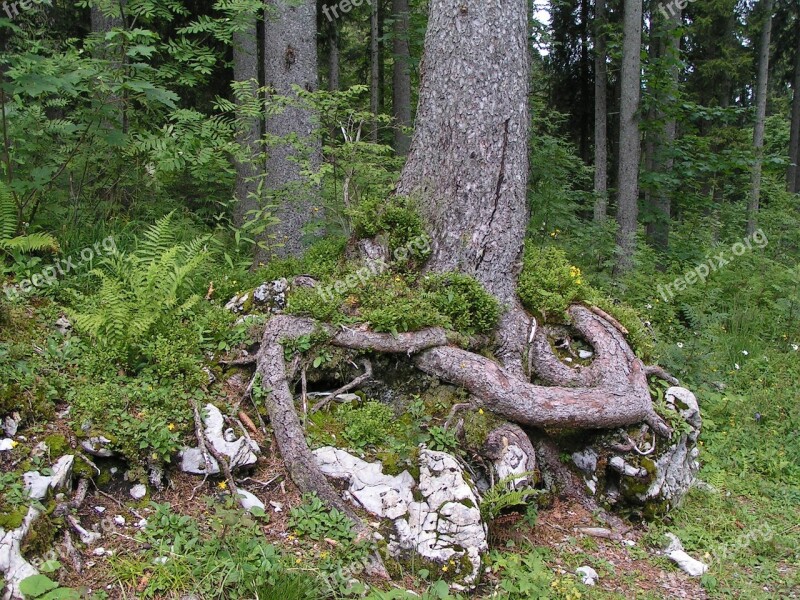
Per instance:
x=455, y=410
x=209, y=449
x=70, y=551
x=366, y=376
x=201, y=443
x=601, y=313
x=303, y=395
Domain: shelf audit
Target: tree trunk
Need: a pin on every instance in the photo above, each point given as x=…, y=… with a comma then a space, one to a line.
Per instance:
x=600, y=114
x=669, y=44
x=375, y=68
x=333, y=56
x=468, y=164
x=629, y=137
x=102, y=24
x=248, y=135
x=401, y=77
x=761, y=116
x=793, y=173
x=290, y=58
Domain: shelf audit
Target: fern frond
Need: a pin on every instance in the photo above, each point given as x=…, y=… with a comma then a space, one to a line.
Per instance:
x=8, y=213
x=33, y=242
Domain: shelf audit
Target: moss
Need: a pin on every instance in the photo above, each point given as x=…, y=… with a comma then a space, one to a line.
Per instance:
x=41, y=535
x=477, y=427
x=12, y=517
x=57, y=444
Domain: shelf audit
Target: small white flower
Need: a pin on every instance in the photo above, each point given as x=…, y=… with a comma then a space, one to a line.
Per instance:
x=745, y=352
x=649, y=306
x=151, y=169
x=736, y=365
x=680, y=344
x=795, y=347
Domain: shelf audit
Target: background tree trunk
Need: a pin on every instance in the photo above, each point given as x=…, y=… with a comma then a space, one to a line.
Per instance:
x=468, y=162
x=333, y=56
x=793, y=173
x=761, y=116
x=600, y=114
x=374, y=66
x=629, y=137
x=290, y=58
x=401, y=77
x=669, y=45
x=245, y=68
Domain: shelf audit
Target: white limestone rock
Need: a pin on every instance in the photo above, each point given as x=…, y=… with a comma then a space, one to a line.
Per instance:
x=678, y=555
x=240, y=452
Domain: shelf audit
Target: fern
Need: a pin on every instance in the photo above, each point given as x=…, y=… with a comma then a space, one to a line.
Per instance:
x=9, y=241
x=504, y=494
x=141, y=292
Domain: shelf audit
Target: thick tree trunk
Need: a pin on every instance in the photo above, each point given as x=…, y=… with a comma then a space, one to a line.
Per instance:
x=468, y=164
x=290, y=58
x=600, y=114
x=401, y=77
x=793, y=173
x=629, y=137
x=761, y=116
x=248, y=135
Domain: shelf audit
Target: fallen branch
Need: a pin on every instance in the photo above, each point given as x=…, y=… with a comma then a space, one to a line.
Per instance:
x=361, y=379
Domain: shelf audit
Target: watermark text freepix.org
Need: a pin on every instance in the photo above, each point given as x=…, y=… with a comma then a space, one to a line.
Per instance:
x=50, y=274
x=332, y=12
x=373, y=268
x=701, y=272
x=12, y=8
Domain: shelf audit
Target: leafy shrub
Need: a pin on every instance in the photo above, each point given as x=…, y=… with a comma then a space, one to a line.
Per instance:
x=548, y=284
x=367, y=425
x=504, y=494
x=397, y=218
x=468, y=306
x=312, y=519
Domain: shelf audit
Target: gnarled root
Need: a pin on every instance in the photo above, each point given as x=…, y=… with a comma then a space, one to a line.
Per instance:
x=611, y=392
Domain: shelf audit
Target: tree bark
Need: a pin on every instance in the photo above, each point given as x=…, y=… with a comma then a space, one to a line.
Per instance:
x=600, y=114
x=375, y=66
x=248, y=135
x=468, y=164
x=629, y=137
x=401, y=77
x=669, y=44
x=290, y=59
x=102, y=24
x=761, y=116
x=793, y=172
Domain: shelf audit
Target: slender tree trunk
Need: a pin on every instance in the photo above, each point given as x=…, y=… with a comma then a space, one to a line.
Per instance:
x=600, y=114
x=669, y=44
x=629, y=137
x=248, y=136
x=101, y=25
x=761, y=116
x=290, y=58
x=585, y=61
x=374, y=63
x=401, y=77
x=793, y=174
x=333, y=57
x=468, y=163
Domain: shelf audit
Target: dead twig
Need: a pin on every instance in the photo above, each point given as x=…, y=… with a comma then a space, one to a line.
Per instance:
x=364, y=377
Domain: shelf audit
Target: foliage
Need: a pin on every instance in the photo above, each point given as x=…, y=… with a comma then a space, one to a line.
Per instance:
x=314, y=520
x=142, y=292
x=368, y=424
x=523, y=575
x=466, y=304
x=548, y=284
x=506, y=493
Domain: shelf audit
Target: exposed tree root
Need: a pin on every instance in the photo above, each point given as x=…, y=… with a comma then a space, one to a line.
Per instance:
x=611, y=392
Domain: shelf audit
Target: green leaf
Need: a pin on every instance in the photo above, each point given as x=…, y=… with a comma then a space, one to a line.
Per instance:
x=37, y=585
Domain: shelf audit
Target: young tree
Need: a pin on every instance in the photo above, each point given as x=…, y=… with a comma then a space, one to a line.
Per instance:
x=290, y=59
x=600, y=114
x=762, y=82
x=629, y=136
x=375, y=60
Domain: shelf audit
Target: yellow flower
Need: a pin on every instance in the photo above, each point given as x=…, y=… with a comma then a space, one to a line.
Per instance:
x=222, y=485
x=171, y=426
x=298, y=561
x=480, y=411
x=444, y=568
x=14, y=443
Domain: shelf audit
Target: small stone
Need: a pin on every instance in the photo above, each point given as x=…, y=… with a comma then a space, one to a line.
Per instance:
x=249, y=501
x=100, y=551
x=628, y=543
x=119, y=520
x=278, y=506
x=7, y=444
x=100, y=509
x=11, y=424
x=96, y=446
x=142, y=524
x=587, y=574
x=585, y=354
x=160, y=560
x=63, y=325
x=138, y=491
